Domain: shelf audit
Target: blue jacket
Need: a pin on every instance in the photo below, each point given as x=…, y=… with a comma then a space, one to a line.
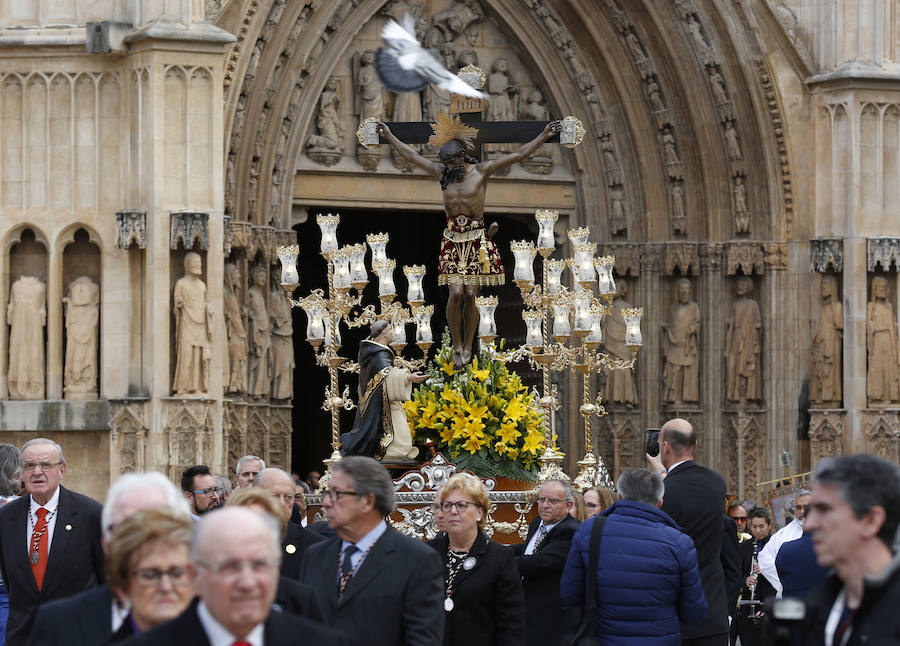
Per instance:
x=647, y=579
x=798, y=569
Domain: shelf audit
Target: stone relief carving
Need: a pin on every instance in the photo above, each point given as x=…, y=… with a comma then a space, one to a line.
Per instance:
x=678, y=215
x=189, y=227
x=670, y=155
x=776, y=255
x=26, y=316
x=369, y=96
x=788, y=22
x=746, y=257
x=825, y=431
x=619, y=387
x=731, y=142
x=825, y=253
x=775, y=117
x=743, y=345
x=884, y=252
x=128, y=435
x=883, y=371
x=504, y=93
x=82, y=312
x=325, y=147
x=235, y=311
x=131, y=229
x=282, y=343
x=825, y=375
x=682, y=256
x=541, y=162
x=193, y=330
x=618, y=220
x=611, y=161
x=628, y=257
x=881, y=438
x=260, y=334
x=741, y=215
x=681, y=350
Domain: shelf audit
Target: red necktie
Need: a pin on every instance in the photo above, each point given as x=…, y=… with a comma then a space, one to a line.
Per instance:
x=241, y=644
x=38, y=553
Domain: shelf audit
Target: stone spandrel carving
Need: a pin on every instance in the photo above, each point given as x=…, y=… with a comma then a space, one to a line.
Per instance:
x=324, y=147
x=233, y=305
x=26, y=316
x=619, y=383
x=82, y=311
x=282, y=344
x=743, y=344
x=883, y=372
x=541, y=162
x=681, y=353
x=825, y=375
x=260, y=335
x=193, y=330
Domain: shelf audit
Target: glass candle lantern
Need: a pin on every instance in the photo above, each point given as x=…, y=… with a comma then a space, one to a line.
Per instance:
x=596, y=334
x=546, y=243
x=533, y=321
x=633, y=337
x=584, y=263
x=579, y=235
x=341, y=260
x=423, y=325
x=398, y=323
x=314, y=307
x=487, y=327
x=378, y=245
x=554, y=275
x=414, y=275
x=328, y=226
x=561, y=327
x=582, y=313
x=358, y=274
x=288, y=257
x=523, y=251
x=605, y=282
x=385, y=271
x=329, y=324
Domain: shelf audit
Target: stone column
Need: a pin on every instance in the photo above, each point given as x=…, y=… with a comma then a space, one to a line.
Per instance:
x=712, y=347
x=855, y=293
x=54, y=358
x=650, y=297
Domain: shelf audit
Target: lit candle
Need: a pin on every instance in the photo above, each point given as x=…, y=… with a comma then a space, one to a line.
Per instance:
x=423, y=324
x=414, y=275
x=633, y=337
x=341, y=260
x=533, y=321
x=378, y=245
x=524, y=252
x=358, y=275
x=596, y=333
x=546, y=243
x=288, y=257
x=487, y=327
x=584, y=263
x=582, y=312
x=579, y=235
x=605, y=281
x=399, y=325
x=554, y=275
x=385, y=271
x=561, y=327
x=328, y=226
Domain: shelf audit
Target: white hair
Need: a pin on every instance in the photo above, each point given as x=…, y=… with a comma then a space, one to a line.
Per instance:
x=234, y=517
x=44, y=440
x=247, y=458
x=151, y=480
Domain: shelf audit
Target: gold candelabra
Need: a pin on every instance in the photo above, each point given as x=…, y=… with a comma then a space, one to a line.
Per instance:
x=325, y=311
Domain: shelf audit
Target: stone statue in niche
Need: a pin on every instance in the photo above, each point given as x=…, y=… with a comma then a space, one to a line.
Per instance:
x=731, y=142
x=26, y=316
x=883, y=374
x=193, y=327
x=260, y=336
x=325, y=147
x=718, y=86
x=679, y=215
x=619, y=383
x=825, y=375
x=236, y=371
x=743, y=344
x=369, y=98
x=82, y=310
x=503, y=91
x=668, y=140
x=741, y=215
x=681, y=349
x=656, y=103
x=618, y=221
x=541, y=162
x=282, y=343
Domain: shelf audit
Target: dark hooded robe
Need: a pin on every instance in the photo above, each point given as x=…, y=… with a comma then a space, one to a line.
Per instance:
x=372, y=429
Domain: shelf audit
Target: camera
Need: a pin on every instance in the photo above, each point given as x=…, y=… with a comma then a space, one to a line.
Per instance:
x=782, y=620
x=652, y=447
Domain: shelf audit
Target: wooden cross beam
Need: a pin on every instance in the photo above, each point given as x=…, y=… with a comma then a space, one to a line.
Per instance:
x=489, y=132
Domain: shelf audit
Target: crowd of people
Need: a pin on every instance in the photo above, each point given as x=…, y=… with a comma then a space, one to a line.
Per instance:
x=233, y=562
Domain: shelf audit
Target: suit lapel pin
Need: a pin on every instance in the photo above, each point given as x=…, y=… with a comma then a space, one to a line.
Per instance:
x=469, y=563
x=68, y=528
x=290, y=548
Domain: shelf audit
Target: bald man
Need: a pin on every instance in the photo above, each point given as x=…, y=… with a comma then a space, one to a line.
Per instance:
x=296, y=538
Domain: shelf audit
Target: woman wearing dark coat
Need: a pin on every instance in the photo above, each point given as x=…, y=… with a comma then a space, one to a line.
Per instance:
x=484, y=604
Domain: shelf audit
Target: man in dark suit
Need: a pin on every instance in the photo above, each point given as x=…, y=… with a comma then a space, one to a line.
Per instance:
x=49, y=540
x=296, y=539
x=541, y=559
x=234, y=569
x=694, y=498
x=381, y=588
x=90, y=617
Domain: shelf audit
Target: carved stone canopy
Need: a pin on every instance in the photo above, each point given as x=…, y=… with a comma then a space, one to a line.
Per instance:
x=825, y=253
x=746, y=256
x=131, y=229
x=189, y=227
x=628, y=257
x=683, y=256
x=884, y=252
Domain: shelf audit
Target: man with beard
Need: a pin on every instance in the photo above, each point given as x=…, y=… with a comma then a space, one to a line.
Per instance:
x=200, y=489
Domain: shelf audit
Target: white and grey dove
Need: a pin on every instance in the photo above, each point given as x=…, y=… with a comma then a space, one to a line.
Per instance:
x=403, y=65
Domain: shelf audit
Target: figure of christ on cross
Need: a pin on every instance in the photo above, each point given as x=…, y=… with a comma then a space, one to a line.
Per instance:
x=468, y=259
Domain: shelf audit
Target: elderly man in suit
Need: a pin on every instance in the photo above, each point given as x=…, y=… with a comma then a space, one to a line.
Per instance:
x=50, y=544
x=90, y=617
x=541, y=559
x=694, y=498
x=235, y=556
x=378, y=586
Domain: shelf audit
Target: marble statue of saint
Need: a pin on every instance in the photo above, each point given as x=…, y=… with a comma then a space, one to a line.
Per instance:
x=882, y=380
x=193, y=327
x=743, y=343
x=82, y=325
x=681, y=349
x=282, y=344
x=236, y=381
x=260, y=335
x=368, y=88
x=328, y=119
x=26, y=316
x=619, y=383
x=825, y=375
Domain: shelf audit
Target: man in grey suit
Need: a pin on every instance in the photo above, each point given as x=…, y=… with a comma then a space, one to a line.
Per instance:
x=381, y=588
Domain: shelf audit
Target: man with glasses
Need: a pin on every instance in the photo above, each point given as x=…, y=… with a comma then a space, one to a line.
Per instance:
x=378, y=586
x=49, y=540
x=738, y=514
x=541, y=559
x=234, y=569
x=201, y=490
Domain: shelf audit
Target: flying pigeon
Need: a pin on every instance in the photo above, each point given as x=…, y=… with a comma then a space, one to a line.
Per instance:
x=403, y=65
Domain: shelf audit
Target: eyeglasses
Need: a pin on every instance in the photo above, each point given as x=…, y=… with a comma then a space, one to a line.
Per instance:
x=151, y=576
x=550, y=501
x=209, y=493
x=459, y=505
x=739, y=519
x=232, y=568
x=28, y=467
x=335, y=494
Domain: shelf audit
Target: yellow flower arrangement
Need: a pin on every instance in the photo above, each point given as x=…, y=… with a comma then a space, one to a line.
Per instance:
x=482, y=416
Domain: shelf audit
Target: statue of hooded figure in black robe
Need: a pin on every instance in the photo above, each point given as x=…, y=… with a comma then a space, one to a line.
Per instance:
x=380, y=429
